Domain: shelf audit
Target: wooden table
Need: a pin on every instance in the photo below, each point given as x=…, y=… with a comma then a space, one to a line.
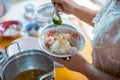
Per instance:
x=61, y=73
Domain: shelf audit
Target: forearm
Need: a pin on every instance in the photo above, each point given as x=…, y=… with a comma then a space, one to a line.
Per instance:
x=94, y=74
x=84, y=14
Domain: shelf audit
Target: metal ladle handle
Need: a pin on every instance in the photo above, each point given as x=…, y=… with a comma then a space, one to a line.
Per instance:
x=42, y=77
x=4, y=54
x=56, y=13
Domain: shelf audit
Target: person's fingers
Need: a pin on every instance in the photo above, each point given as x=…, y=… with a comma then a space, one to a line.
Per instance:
x=60, y=60
x=58, y=1
x=53, y=2
x=59, y=5
x=74, y=51
x=60, y=8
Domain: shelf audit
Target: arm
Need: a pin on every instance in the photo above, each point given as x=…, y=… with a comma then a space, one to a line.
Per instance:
x=70, y=7
x=84, y=14
x=84, y=67
x=94, y=74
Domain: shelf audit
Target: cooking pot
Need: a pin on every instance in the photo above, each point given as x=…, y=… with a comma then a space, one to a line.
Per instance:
x=27, y=60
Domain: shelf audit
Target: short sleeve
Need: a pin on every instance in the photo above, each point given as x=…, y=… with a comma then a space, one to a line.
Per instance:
x=101, y=11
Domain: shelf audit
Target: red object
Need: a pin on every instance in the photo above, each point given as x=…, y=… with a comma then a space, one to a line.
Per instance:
x=51, y=33
x=5, y=25
x=76, y=35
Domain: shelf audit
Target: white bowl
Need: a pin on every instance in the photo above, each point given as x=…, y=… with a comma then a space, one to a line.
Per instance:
x=44, y=34
x=45, y=12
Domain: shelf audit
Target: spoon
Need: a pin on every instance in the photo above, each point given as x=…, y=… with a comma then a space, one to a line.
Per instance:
x=57, y=20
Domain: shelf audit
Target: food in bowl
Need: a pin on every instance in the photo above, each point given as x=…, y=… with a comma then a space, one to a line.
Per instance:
x=57, y=22
x=60, y=44
x=59, y=41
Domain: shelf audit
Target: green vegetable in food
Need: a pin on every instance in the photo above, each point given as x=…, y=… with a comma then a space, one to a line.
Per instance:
x=57, y=22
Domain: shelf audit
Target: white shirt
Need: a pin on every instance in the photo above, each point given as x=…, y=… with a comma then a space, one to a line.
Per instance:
x=106, y=41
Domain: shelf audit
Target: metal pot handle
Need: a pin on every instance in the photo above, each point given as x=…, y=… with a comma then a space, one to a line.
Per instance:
x=45, y=76
x=19, y=49
x=2, y=56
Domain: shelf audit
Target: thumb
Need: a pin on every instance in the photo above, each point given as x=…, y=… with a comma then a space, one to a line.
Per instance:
x=74, y=50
